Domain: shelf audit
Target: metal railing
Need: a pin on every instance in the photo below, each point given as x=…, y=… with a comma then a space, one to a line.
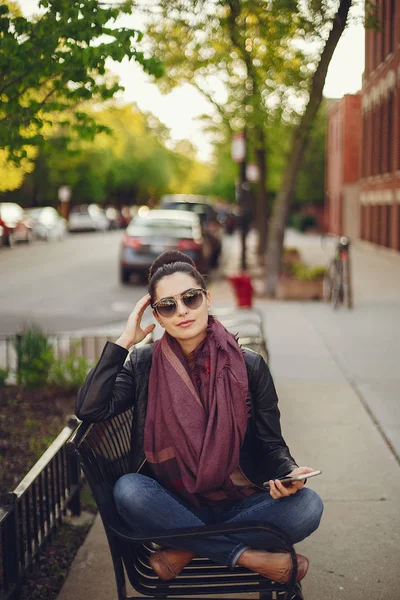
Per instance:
x=35, y=510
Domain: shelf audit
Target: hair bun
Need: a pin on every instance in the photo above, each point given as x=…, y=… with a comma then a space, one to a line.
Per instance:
x=169, y=257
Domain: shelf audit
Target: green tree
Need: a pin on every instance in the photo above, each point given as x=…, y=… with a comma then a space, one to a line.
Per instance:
x=51, y=66
x=128, y=165
x=240, y=55
x=301, y=136
x=310, y=187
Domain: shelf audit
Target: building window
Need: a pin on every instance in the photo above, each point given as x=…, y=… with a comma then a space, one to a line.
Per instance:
x=364, y=146
x=372, y=217
x=377, y=34
x=364, y=223
x=371, y=141
x=389, y=134
x=388, y=225
x=363, y=136
x=384, y=136
x=398, y=128
x=398, y=230
x=378, y=228
x=381, y=145
x=371, y=122
x=392, y=25
x=383, y=29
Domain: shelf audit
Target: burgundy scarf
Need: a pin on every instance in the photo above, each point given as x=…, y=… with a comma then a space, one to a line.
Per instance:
x=197, y=415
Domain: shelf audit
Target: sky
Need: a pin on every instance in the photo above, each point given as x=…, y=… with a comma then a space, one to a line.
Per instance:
x=179, y=109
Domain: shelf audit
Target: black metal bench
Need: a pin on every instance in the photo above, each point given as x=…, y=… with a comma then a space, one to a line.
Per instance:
x=104, y=451
x=248, y=324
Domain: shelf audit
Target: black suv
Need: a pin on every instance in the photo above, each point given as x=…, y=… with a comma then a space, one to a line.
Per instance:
x=212, y=228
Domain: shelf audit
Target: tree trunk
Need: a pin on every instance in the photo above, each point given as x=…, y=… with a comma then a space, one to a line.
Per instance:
x=299, y=144
x=262, y=212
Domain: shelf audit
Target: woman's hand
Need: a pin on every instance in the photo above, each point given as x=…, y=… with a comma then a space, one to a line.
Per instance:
x=133, y=332
x=278, y=490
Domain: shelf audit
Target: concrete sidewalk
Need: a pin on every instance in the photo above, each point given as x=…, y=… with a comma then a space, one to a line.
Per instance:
x=338, y=380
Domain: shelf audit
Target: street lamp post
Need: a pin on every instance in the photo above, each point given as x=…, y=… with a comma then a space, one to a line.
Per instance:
x=64, y=197
x=242, y=191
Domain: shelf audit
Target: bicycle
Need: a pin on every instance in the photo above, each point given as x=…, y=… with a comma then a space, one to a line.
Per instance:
x=336, y=286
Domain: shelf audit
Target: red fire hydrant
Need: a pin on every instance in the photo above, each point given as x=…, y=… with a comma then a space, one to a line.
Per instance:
x=243, y=289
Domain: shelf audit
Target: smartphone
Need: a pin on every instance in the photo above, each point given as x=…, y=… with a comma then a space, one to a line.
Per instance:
x=287, y=481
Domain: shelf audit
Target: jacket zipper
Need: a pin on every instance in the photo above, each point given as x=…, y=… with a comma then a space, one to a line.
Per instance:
x=141, y=465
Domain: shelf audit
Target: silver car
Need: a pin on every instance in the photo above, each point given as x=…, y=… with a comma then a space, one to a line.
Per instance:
x=88, y=217
x=47, y=224
x=154, y=231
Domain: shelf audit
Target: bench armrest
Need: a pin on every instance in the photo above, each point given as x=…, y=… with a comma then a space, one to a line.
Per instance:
x=124, y=533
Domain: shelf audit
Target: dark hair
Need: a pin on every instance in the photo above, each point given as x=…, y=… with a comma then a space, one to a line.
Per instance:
x=171, y=262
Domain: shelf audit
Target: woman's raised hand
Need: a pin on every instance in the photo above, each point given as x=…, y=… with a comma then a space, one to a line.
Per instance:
x=133, y=332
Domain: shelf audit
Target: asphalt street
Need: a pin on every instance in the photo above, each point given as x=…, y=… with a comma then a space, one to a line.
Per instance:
x=65, y=285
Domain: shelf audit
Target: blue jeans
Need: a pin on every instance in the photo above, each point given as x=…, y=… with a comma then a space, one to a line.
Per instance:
x=149, y=508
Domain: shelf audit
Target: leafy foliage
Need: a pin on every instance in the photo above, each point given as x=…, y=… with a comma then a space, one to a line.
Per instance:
x=52, y=65
x=310, y=187
x=238, y=54
x=35, y=356
x=294, y=268
x=306, y=273
x=69, y=372
x=127, y=166
x=3, y=377
x=39, y=367
x=301, y=221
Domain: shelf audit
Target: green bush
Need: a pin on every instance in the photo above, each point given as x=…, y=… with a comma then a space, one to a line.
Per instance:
x=38, y=365
x=3, y=377
x=306, y=273
x=302, y=222
x=35, y=356
x=69, y=371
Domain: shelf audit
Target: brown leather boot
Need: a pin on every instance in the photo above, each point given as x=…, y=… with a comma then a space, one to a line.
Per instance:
x=169, y=563
x=276, y=566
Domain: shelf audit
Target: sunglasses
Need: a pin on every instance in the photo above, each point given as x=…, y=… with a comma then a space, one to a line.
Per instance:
x=167, y=307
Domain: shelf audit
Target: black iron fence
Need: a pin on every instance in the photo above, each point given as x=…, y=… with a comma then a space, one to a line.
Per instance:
x=35, y=510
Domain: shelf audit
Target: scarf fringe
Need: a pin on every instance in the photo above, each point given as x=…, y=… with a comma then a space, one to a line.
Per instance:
x=202, y=353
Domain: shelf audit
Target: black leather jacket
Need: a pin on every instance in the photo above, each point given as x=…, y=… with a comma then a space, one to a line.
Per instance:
x=112, y=387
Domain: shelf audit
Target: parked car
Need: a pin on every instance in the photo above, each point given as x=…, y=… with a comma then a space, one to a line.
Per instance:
x=211, y=227
x=88, y=217
x=115, y=218
x=47, y=224
x=15, y=223
x=2, y=236
x=156, y=231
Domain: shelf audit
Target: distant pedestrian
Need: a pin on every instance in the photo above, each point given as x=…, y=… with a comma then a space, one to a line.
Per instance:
x=206, y=431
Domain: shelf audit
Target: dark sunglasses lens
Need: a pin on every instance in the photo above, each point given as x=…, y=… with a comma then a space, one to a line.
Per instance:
x=166, y=308
x=193, y=299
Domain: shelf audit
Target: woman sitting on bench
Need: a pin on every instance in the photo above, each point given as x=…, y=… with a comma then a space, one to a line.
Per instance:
x=206, y=432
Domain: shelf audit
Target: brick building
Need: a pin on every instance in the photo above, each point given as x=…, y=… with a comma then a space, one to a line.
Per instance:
x=375, y=216
x=380, y=158
x=343, y=166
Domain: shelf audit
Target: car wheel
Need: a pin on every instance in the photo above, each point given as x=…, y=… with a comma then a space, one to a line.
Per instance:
x=124, y=275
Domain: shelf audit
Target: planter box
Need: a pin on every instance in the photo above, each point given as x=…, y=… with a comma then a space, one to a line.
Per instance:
x=296, y=289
